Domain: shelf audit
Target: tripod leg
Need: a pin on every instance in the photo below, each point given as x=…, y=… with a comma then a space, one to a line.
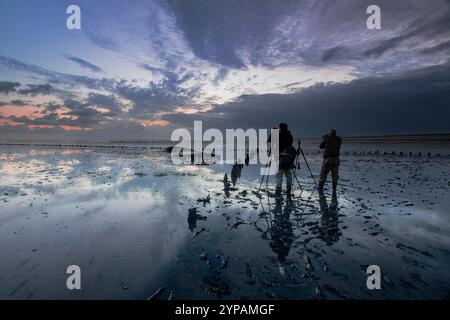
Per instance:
x=298, y=182
x=262, y=178
x=309, y=169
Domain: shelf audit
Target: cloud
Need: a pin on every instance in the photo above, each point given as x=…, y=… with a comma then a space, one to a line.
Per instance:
x=174, y=58
x=157, y=96
x=8, y=86
x=217, y=30
x=441, y=47
x=19, y=102
x=432, y=28
x=107, y=101
x=412, y=102
x=57, y=78
x=16, y=102
x=331, y=53
x=83, y=63
x=38, y=89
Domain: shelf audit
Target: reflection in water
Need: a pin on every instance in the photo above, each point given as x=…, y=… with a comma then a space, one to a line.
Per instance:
x=193, y=217
x=62, y=205
x=329, y=230
x=282, y=231
x=226, y=186
x=236, y=173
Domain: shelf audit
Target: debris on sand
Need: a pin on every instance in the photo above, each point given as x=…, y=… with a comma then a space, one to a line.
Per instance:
x=204, y=200
x=218, y=286
x=307, y=262
x=156, y=294
x=140, y=174
x=193, y=216
x=198, y=232
x=172, y=296
x=251, y=278
x=204, y=256
x=319, y=293
x=226, y=182
x=160, y=174
x=223, y=262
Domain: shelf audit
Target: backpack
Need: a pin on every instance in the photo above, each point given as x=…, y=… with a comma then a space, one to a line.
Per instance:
x=287, y=158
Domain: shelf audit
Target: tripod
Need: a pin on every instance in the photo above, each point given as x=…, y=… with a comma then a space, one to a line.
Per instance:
x=296, y=162
x=306, y=162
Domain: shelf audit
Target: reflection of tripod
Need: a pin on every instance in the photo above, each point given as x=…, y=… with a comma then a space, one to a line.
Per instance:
x=264, y=174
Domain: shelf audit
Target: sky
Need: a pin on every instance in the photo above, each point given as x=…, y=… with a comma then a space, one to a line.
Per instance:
x=136, y=70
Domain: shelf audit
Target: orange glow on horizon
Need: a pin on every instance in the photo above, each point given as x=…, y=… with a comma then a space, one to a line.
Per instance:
x=74, y=128
x=40, y=126
x=191, y=110
x=154, y=123
x=32, y=112
x=7, y=122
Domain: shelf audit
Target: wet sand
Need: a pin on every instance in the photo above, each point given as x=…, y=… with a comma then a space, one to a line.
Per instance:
x=135, y=223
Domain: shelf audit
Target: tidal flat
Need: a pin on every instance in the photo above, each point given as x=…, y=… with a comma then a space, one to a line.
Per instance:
x=139, y=226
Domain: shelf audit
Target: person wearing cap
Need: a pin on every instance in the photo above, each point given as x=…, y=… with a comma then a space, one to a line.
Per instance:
x=331, y=143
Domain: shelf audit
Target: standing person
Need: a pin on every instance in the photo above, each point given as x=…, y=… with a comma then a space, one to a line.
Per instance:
x=286, y=159
x=332, y=145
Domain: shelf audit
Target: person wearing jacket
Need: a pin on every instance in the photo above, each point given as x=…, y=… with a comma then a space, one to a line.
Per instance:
x=331, y=143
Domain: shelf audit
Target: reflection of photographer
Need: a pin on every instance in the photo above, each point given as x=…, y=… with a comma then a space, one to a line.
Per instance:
x=329, y=226
x=281, y=230
x=331, y=143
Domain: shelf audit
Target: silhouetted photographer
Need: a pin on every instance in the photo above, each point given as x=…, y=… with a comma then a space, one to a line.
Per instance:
x=331, y=143
x=286, y=159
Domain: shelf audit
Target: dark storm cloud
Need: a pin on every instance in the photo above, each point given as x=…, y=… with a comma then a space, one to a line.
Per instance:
x=18, y=102
x=51, y=107
x=444, y=46
x=221, y=75
x=237, y=34
x=107, y=101
x=156, y=97
x=36, y=89
x=415, y=101
x=8, y=86
x=331, y=53
x=436, y=28
x=217, y=29
x=83, y=63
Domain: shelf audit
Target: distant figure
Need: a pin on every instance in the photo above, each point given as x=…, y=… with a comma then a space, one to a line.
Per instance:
x=286, y=159
x=332, y=145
